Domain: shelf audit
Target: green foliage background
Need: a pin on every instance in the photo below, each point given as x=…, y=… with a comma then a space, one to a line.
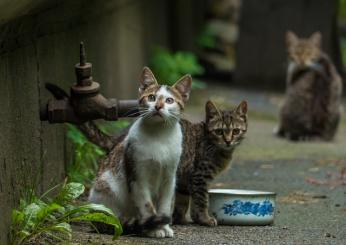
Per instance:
x=342, y=20
x=168, y=67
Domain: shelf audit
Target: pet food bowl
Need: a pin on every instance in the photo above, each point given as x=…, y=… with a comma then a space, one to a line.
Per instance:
x=242, y=207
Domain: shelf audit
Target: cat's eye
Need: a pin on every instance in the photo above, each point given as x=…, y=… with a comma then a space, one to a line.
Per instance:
x=169, y=100
x=151, y=97
x=236, y=131
x=219, y=131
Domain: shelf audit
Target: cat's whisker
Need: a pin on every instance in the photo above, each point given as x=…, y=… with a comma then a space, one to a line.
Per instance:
x=171, y=123
x=138, y=108
x=172, y=115
x=146, y=114
x=134, y=113
x=183, y=114
x=167, y=122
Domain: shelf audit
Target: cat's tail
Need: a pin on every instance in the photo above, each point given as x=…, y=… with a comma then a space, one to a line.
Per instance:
x=99, y=138
x=133, y=227
x=89, y=129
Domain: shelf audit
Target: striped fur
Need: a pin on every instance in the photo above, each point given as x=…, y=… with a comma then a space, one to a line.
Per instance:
x=208, y=149
x=312, y=106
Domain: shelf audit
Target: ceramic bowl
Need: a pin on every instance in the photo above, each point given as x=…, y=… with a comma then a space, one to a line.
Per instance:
x=242, y=207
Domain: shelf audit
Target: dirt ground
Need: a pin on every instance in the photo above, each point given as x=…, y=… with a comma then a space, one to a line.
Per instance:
x=309, y=179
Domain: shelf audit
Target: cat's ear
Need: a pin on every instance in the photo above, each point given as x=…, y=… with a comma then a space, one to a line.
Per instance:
x=183, y=85
x=242, y=108
x=146, y=79
x=316, y=38
x=291, y=38
x=211, y=111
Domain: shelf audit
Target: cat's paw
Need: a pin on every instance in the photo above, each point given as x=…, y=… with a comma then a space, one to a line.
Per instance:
x=168, y=231
x=180, y=221
x=156, y=233
x=278, y=131
x=209, y=221
x=179, y=218
x=155, y=220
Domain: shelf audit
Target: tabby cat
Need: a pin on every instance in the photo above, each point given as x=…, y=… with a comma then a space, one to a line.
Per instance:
x=312, y=105
x=207, y=150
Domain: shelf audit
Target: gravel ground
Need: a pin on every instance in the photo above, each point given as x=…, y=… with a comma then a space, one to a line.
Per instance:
x=309, y=179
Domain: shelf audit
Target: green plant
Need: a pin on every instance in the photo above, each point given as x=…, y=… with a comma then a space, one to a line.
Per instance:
x=86, y=154
x=168, y=67
x=343, y=49
x=42, y=220
x=85, y=157
x=206, y=38
x=342, y=10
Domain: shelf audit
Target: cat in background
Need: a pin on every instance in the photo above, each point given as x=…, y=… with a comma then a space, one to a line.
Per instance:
x=207, y=150
x=137, y=178
x=312, y=106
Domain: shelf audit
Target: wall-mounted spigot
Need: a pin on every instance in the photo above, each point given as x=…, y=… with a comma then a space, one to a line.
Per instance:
x=85, y=103
x=83, y=69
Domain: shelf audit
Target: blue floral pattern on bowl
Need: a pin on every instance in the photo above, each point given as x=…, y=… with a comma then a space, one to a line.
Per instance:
x=246, y=208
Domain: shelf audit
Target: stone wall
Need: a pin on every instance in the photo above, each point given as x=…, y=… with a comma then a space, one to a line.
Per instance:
x=44, y=47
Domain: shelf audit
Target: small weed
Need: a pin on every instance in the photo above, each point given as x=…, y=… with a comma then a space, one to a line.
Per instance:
x=42, y=220
x=86, y=154
x=85, y=157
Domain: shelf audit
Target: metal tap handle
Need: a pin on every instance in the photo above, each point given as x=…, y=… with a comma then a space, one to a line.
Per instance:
x=85, y=103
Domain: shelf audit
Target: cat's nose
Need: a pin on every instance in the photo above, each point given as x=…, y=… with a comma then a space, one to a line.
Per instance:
x=158, y=107
x=228, y=142
x=159, y=104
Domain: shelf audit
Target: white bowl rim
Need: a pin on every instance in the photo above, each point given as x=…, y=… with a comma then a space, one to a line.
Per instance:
x=241, y=192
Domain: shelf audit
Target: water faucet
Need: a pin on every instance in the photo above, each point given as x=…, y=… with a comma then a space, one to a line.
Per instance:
x=85, y=102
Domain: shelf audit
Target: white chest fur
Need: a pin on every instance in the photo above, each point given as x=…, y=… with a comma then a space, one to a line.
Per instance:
x=162, y=146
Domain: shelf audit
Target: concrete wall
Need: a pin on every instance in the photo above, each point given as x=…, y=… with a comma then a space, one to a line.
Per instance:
x=43, y=47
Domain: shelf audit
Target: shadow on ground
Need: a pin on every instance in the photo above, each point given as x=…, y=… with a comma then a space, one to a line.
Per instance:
x=309, y=179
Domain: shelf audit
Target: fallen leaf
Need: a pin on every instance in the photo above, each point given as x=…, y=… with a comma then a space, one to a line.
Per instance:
x=314, y=169
x=267, y=166
x=314, y=181
x=332, y=179
x=301, y=197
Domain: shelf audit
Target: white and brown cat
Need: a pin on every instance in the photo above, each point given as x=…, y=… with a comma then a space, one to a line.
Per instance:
x=137, y=180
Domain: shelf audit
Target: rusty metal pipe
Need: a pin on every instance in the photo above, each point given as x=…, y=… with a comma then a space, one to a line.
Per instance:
x=61, y=111
x=85, y=103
